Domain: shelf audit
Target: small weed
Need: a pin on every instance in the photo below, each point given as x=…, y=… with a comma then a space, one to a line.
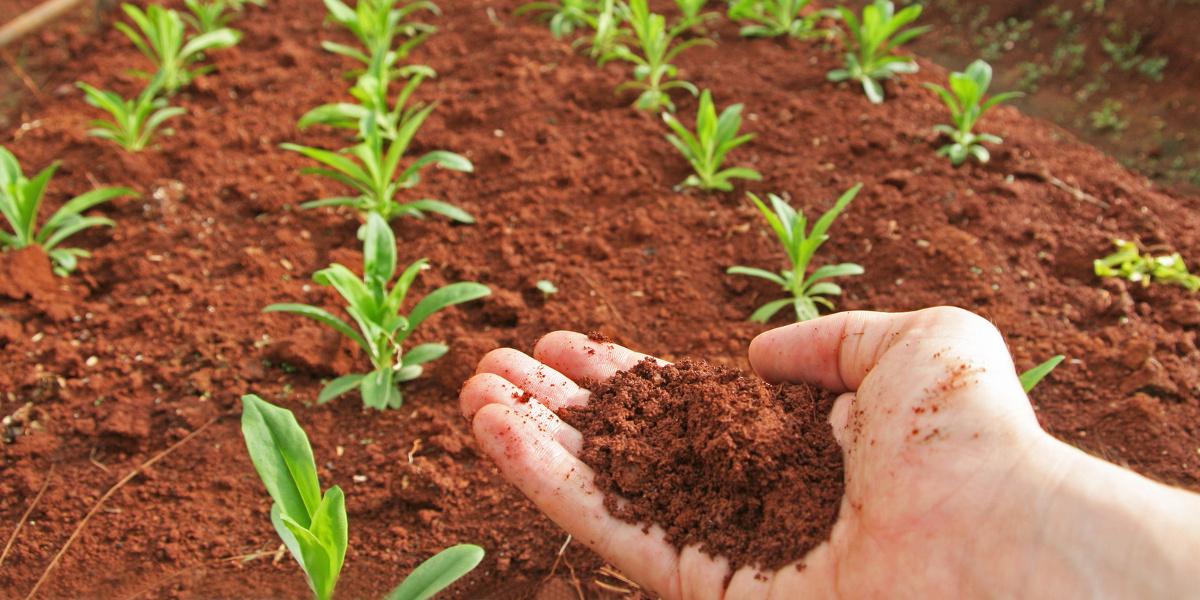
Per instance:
x=1108, y=118
x=1128, y=263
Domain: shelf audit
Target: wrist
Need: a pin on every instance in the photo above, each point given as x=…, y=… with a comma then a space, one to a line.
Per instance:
x=1096, y=530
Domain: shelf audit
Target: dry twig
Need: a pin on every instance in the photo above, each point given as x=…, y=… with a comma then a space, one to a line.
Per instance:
x=1077, y=193
x=96, y=507
x=13, y=538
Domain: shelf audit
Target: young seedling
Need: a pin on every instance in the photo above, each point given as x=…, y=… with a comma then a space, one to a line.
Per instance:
x=164, y=44
x=705, y=150
x=963, y=99
x=208, y=16
x=690, y=16
x=654, y=65
x=377, y=176
x=871, y=40
x=312, y=525
x=608, y=33
x=564, y=16
x=1128, y=263
x=135, y=122
x=376, y=23
x=20, y=199
x=789, y=226
x=240, y=5
x=546, y=288
x=1032, y=377
x=776, y=18
x=376, y=310
x=372, y=92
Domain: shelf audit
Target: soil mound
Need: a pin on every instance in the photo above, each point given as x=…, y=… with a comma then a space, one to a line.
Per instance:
x=747, y=470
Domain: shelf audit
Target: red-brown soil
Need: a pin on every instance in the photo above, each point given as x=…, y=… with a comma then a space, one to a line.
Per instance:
x=1056, y=52
x=748, y=471
x=161, y=331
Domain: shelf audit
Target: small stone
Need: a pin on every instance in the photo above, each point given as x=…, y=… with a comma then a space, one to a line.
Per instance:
x=1136, y=353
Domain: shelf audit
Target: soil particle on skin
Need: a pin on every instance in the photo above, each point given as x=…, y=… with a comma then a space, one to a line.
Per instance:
x=749, y=471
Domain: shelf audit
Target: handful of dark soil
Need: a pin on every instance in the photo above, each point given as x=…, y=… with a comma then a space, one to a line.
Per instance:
x=749, y=471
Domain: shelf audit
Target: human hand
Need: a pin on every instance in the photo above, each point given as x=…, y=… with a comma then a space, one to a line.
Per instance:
x=949, y=479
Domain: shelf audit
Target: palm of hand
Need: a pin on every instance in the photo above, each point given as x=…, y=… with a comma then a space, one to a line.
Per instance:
x=926, y=451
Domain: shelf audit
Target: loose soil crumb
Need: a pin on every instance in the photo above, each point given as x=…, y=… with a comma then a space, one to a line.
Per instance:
x=747, y=470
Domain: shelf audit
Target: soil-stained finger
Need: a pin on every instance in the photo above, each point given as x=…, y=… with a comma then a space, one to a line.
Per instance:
x=552, y=388
x=489, y=388
x=578, y=357
x=562, y=487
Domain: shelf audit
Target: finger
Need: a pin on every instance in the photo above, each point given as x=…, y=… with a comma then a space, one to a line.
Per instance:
x=552, y=388
x=837, y=351
x=578, y=357
x=489, y=388
x=562, y=487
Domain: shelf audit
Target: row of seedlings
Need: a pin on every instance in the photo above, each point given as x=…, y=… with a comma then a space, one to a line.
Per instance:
x=164, y=39
x=869, y=39
x=313, y=524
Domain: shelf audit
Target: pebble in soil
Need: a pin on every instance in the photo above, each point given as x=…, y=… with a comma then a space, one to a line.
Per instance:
x=749, y=471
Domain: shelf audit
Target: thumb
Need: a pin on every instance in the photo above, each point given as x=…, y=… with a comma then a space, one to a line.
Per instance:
x=837, y=352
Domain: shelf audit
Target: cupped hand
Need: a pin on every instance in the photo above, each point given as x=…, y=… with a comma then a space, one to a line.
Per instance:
x=940, y=444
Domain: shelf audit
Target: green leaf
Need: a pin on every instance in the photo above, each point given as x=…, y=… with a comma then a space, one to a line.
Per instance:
x=323, y=316
x=221, y=38
x=314, y=558
x=339, y=386
x=768, y=310
x=1030, y=378
x=377, y=388
x=438, y=207
x=839, y=270
x=282, y=456
x=753, y=272
x=455, y=293
x=423, y=354
x=873, y=89
x=379, y=250
x=440, y=571
x=70, y=227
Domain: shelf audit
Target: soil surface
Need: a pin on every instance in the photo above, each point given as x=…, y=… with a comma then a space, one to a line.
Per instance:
x=157, y=335
x=747, y=471
x=1123, y=75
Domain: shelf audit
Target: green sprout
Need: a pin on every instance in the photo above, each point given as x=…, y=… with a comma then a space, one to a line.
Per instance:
x=608, y=33
x=376, y=23
x=776, y=18
x=871, y=40
x=312, y=525
x=164, y=44
x=1032, y=377
x=1128, y=263
x=546, y=288
x=654, y=65
x=372, y=92
x=240, y=5
x=564, y=16
x=706, y=149
x=135, y=122
x=20, y=199
x=208, y=16
x=789, y=226
x=963, y=99
x=376, y=310
x=691, y=17
x=377, y=176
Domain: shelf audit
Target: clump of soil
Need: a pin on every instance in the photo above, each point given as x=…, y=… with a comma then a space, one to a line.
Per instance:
x=747, y=470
